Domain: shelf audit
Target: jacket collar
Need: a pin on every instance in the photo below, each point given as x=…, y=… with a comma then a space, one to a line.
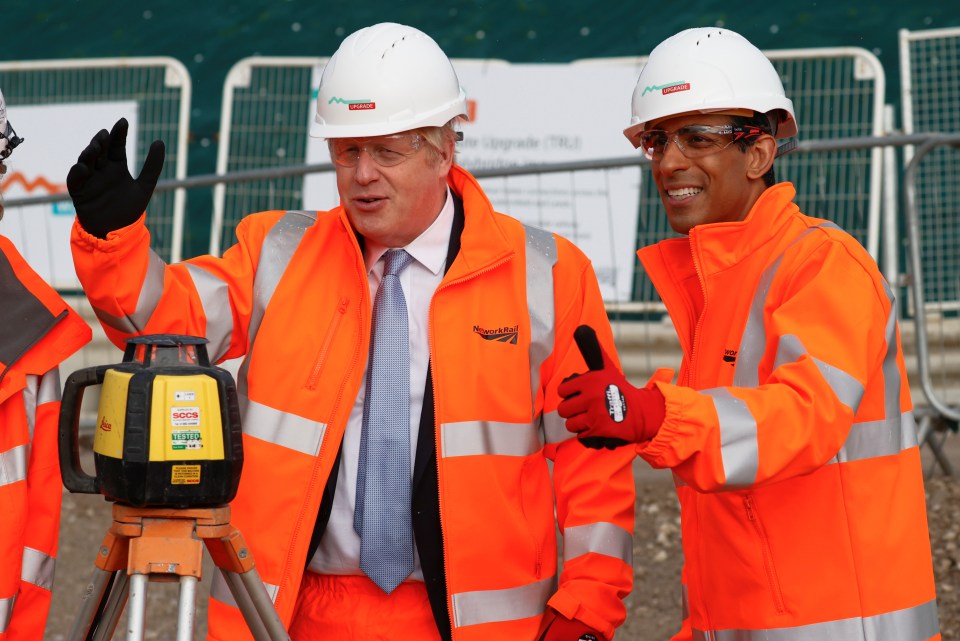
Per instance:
x=718, y=246
x=483, y=243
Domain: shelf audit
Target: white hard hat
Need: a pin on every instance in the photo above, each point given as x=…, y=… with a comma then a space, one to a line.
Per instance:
x=708, y=70
x=385, y=79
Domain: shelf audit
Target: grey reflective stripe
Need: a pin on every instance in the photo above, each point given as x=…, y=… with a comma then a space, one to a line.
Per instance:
x=753, y=341
x=13, y=465
x=684, y=603
x=677, y=481
x=215, y=297
x=739, y=450
x=601, y=538
x=150, y=293
x=30, y=399
x=510, y=604
x=40, y=390
x=50, y=389
x=846, y=388
x=38, y=568
x=911, y=624
x=555, y=428
x=541, y=252
x=891, y=372
x=474, y=438
x=275, y=254
x=281, y=428
x=6, y=612
x=871, y=439
x=220, y=591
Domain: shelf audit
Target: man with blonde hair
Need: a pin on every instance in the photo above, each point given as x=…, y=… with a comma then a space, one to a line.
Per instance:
x=402, y=354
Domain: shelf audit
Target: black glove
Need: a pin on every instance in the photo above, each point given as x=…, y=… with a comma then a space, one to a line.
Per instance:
x=105, y=195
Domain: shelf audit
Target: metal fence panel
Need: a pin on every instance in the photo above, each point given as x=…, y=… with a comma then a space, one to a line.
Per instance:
x=161, y=88
x=264, y=123
x=930, y=87
x=930, y=95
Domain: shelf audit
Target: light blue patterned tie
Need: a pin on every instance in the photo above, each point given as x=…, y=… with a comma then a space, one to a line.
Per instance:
x=382, y=514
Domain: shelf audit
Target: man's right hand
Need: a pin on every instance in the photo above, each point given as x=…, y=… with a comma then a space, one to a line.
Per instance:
x=105, y=195
x=601, y=407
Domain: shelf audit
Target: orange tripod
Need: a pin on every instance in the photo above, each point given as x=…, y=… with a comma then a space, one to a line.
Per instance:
x=164, y=544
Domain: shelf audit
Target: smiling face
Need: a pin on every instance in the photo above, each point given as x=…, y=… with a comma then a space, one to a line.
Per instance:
x=393, y=205
x=720, y=187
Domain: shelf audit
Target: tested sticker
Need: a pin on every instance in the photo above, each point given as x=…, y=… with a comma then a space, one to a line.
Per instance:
x=185, y=475
x=185, y=440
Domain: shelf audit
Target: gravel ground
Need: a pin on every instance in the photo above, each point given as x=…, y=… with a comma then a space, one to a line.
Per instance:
x=654, y=605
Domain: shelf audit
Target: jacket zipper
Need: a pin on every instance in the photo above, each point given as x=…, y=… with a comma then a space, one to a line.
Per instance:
x=321, y=359
x=436, y=431
x=696, y=331
x=768, y=566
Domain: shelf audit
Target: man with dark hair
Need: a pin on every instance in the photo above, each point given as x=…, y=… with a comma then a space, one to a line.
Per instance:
x=789, y=431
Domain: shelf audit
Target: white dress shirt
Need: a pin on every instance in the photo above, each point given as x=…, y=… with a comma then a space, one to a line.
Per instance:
x=339, y=550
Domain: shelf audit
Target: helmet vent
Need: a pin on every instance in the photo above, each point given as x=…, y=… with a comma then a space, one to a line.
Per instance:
x=393, y=45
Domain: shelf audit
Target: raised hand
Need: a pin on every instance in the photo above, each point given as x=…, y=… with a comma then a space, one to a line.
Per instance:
x=105, y=195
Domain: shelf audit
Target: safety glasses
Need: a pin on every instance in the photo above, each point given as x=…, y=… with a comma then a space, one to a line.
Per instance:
x=13, y=141
x=386, y=151
x=695, y=141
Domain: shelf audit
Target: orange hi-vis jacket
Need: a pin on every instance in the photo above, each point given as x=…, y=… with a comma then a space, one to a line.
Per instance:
x=38, y=331
x=790, y=435
x=292, y=298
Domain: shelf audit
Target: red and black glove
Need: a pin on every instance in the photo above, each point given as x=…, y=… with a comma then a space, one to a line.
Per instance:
x=105, y=195
x=601, y=407
x=559, y=628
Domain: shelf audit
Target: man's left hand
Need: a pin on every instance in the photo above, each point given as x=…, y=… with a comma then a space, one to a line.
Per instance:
x=560, y=628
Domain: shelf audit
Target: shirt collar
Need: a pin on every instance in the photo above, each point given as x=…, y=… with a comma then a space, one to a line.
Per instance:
x=429, y=248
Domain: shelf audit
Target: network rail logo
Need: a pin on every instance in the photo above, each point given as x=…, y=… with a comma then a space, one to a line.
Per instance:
x=500, y=334
x=363, y=104
x=672, y=87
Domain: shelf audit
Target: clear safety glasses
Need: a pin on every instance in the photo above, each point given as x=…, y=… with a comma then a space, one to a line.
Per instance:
x=12, y=140
x=386, y=151
x=695, y=141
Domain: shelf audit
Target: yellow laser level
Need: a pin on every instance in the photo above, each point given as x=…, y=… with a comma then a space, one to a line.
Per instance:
x=168, y=427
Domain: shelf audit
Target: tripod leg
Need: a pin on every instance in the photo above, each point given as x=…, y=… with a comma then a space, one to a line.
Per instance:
x=245, y=604
x=90, y=604
x=136, y=617
x=263, y=604
x=186, y=608
x=113, y=607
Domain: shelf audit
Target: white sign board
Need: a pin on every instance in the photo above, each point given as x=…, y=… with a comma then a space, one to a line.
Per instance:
x=54, y=135
x=526, y=114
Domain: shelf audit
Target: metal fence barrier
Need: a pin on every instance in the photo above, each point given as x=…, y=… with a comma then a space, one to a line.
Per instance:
x=161, y=89
x=930, y=100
